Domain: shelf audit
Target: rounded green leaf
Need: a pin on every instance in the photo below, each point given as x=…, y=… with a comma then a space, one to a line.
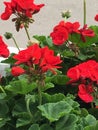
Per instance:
x=54, y=111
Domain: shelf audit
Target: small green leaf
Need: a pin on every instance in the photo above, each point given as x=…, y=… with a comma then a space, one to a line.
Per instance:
x=47, y=86
x=34, y=127
x=2, y=96
x=53, y=98
x=23, y=120
x=84, y=112
x=46, y=127
x=3, y=108
x=60, y=79
x=32, y=98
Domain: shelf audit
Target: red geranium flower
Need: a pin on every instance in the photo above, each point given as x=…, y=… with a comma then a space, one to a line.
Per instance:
x=22, y=57
x=17, y=70
x=8, y=11
x=86, y=32
x=74, y=73
x=72, y=27
x=32, y=53
x=59, y=35
x=35, y=53
x=48, y=60
x=96, y=17
x=85, y=92
x=61, y=32
x=4, y=52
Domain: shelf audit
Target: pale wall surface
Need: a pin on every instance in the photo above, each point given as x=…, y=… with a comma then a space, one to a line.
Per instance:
x=49, y=16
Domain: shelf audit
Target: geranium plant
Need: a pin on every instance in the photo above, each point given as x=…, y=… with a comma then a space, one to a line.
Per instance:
x=53, y=83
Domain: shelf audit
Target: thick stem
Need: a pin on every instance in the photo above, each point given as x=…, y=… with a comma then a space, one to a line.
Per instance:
x=27, y=32
x=84, y=9
x=40, y=94
x=16, y=43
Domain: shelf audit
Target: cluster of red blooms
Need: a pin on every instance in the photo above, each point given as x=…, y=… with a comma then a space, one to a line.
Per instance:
x=23, y=7
x=43, y=58
x=62, y=31
x=87, y=74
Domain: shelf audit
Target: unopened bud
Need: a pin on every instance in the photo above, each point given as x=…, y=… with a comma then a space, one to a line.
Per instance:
x=8, y=35
x=33, y=41
x=66, y=14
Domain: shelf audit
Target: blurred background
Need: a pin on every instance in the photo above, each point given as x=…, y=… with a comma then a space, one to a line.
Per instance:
x=48, y=17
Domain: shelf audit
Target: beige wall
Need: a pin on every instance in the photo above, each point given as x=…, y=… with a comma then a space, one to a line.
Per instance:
x=49, y=16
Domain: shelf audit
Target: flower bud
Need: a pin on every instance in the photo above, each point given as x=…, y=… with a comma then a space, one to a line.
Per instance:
x=8, y=35
x=66, y=14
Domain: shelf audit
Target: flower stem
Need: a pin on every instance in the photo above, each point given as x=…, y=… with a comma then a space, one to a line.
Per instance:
x=27, y=32
x=28, y=108
x=2, y=89
x=40, y=94
x=15, y=43
x=92, y=105
x=84, y=8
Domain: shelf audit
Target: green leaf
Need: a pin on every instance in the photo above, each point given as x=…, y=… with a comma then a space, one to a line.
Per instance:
x=3, y=108
x=84, y=112
x=34, y=127
x=93, y=127
x=47, y=86
x=19, y=108
x=94, y=112
x=2, y=96
x=23, y=120
x=54, y=111
x=70, y=100
x=90, y=119
x=68, y=122
x=68, y=53
x=44, y=40
x=46, y=127
x=60, y=79
x=9, y=60
x=53, y=98
x=21, y=86
x=79, y=127
x=32, y=98
x=3, y=121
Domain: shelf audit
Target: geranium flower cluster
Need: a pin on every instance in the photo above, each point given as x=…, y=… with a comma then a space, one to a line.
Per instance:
x=23, y=11
x=86, y=74
x=20, y=7
x=61, y=32
x=36, y=58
